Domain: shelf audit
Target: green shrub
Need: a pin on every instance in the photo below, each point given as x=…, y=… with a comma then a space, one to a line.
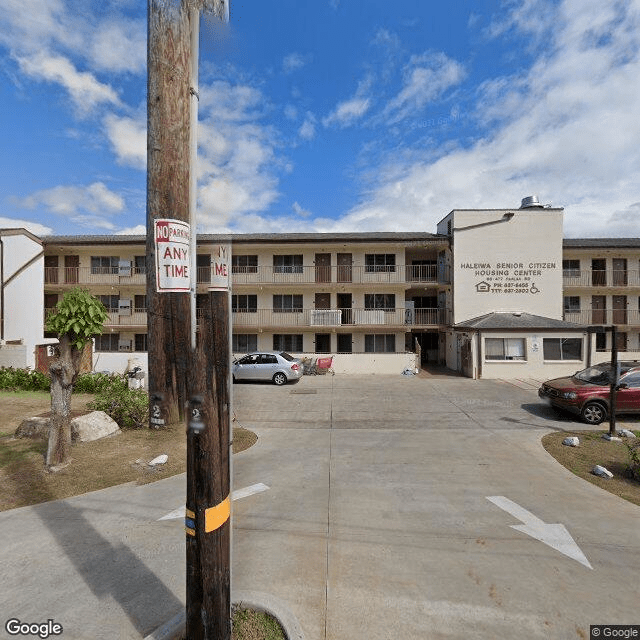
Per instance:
x=23, y=380
x=128, y=407
x=92, y=382
x=634, y=455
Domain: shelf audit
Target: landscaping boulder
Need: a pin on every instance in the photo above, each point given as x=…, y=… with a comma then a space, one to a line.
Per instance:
x=36, y=428
x=93, y=426
x=161, y=459
x=571, y=442
x=625, y=433
x=602, y=472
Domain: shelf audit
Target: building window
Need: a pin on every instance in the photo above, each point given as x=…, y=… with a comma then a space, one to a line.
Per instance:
x=323, y=342
x=504, y=349
x=287, y=342
x=140, y=264
x=287, y=303
x=244, y=342
x=110, y=303
x=377, y=262
x=140, y=304
x=386, y=301
x=141, y=342
x=571, y=268
x=104, y=265
x=107, y=342
x=244, y=264
x=244, y=303
x=287, y=264
x=380, y=343
x=562, y=348
x=571, y=304
x=601, y=341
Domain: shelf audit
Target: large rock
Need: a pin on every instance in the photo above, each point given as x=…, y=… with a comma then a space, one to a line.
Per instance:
x=91, y=426
x=37, y=428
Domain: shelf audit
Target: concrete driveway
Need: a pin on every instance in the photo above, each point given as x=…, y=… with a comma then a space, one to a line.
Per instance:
x=376, y=524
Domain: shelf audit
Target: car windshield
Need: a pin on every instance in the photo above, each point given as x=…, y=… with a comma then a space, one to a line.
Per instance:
x=287, y=356
x=600, y=374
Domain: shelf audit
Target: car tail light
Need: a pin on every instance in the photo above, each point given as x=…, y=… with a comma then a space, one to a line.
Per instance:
x=295, y=366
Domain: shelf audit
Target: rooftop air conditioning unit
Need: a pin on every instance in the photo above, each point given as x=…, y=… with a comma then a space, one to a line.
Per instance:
x=531, y=202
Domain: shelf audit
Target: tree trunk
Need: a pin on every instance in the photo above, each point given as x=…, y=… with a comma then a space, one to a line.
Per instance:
x=64, y=372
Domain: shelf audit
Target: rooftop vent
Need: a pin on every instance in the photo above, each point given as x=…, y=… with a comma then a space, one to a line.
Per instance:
x=530, y=202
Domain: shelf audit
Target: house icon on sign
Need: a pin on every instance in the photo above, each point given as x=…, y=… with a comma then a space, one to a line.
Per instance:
x=483, y=287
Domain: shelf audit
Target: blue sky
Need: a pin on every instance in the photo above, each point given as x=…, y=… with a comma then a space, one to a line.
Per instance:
x=331, y=115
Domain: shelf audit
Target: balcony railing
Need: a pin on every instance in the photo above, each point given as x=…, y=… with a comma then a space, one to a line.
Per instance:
x=597, y=278
x=114, y=319
x=604, y=316
x=326, y=318
x=73, y=276
x=337, y=274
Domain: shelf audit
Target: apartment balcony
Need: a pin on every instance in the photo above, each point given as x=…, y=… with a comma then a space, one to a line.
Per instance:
x=135, y=320
x=600, y=279
x=337, y=274
x=320, y=319
x=94, y=276
x=620, y=317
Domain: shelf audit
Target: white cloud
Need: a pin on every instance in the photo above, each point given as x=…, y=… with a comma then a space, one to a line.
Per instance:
x=290, y=112
x=128, y=136
x=138, y=230
x=120, y=46
x=426, y=78
x=299, y=211
x=347, y=112
x=308, y=129
x=237, y=163
x=76, y=201
x=84, y=89
x=17, y=223
x=293, y=62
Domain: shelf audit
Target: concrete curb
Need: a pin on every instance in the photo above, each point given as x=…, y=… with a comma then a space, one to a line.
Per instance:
x=251, y=600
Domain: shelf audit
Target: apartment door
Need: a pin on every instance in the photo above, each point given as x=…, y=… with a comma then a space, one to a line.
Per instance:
x=619, y=272
x=345, y=343
x=51, y=269
x=323, y=301
x=323, y=267
x=323, y=343
x=345, y=303
x=344, y=267
x=71, y=266
x=621, y=340
x=619, y=305
x=599, y=309
x=599, y=272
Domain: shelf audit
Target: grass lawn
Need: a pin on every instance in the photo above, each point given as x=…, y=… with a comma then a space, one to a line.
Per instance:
x=95, y=465
x=593, y=450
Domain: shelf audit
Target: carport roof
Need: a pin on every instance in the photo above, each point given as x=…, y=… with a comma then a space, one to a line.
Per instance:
x=511, y=320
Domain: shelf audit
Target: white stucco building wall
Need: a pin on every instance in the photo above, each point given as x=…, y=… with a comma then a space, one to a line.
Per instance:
x=22, y=304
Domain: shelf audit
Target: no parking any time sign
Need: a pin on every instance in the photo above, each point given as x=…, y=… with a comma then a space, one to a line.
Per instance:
x=172, y=255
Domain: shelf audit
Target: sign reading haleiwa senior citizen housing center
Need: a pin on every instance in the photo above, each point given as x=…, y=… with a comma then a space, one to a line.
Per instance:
x=173, y=273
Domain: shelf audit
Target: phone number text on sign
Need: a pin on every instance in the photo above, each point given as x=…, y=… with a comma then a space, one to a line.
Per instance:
x=173, y=271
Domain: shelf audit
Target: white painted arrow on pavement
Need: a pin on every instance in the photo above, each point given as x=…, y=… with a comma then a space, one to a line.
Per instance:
x=236, y=495
x=553, y=535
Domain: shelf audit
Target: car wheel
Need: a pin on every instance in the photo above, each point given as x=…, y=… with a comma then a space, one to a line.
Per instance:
x=593, y=413
x=279, y=379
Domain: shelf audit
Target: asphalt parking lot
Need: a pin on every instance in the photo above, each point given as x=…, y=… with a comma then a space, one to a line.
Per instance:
x=389, y=513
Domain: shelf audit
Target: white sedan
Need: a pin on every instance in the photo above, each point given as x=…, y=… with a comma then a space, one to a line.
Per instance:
x=277, y=366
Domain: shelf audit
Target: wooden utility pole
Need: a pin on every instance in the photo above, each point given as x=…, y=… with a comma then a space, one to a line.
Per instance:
x=613, y=390
x=208, y=515
x=180, y=366
x=168, y=301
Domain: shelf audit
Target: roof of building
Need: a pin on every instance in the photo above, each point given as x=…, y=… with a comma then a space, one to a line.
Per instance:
x=275, y=238
x=593, y=243
x=510, y=320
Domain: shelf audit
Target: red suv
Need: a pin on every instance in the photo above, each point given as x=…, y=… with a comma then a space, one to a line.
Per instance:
x=586, y=392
